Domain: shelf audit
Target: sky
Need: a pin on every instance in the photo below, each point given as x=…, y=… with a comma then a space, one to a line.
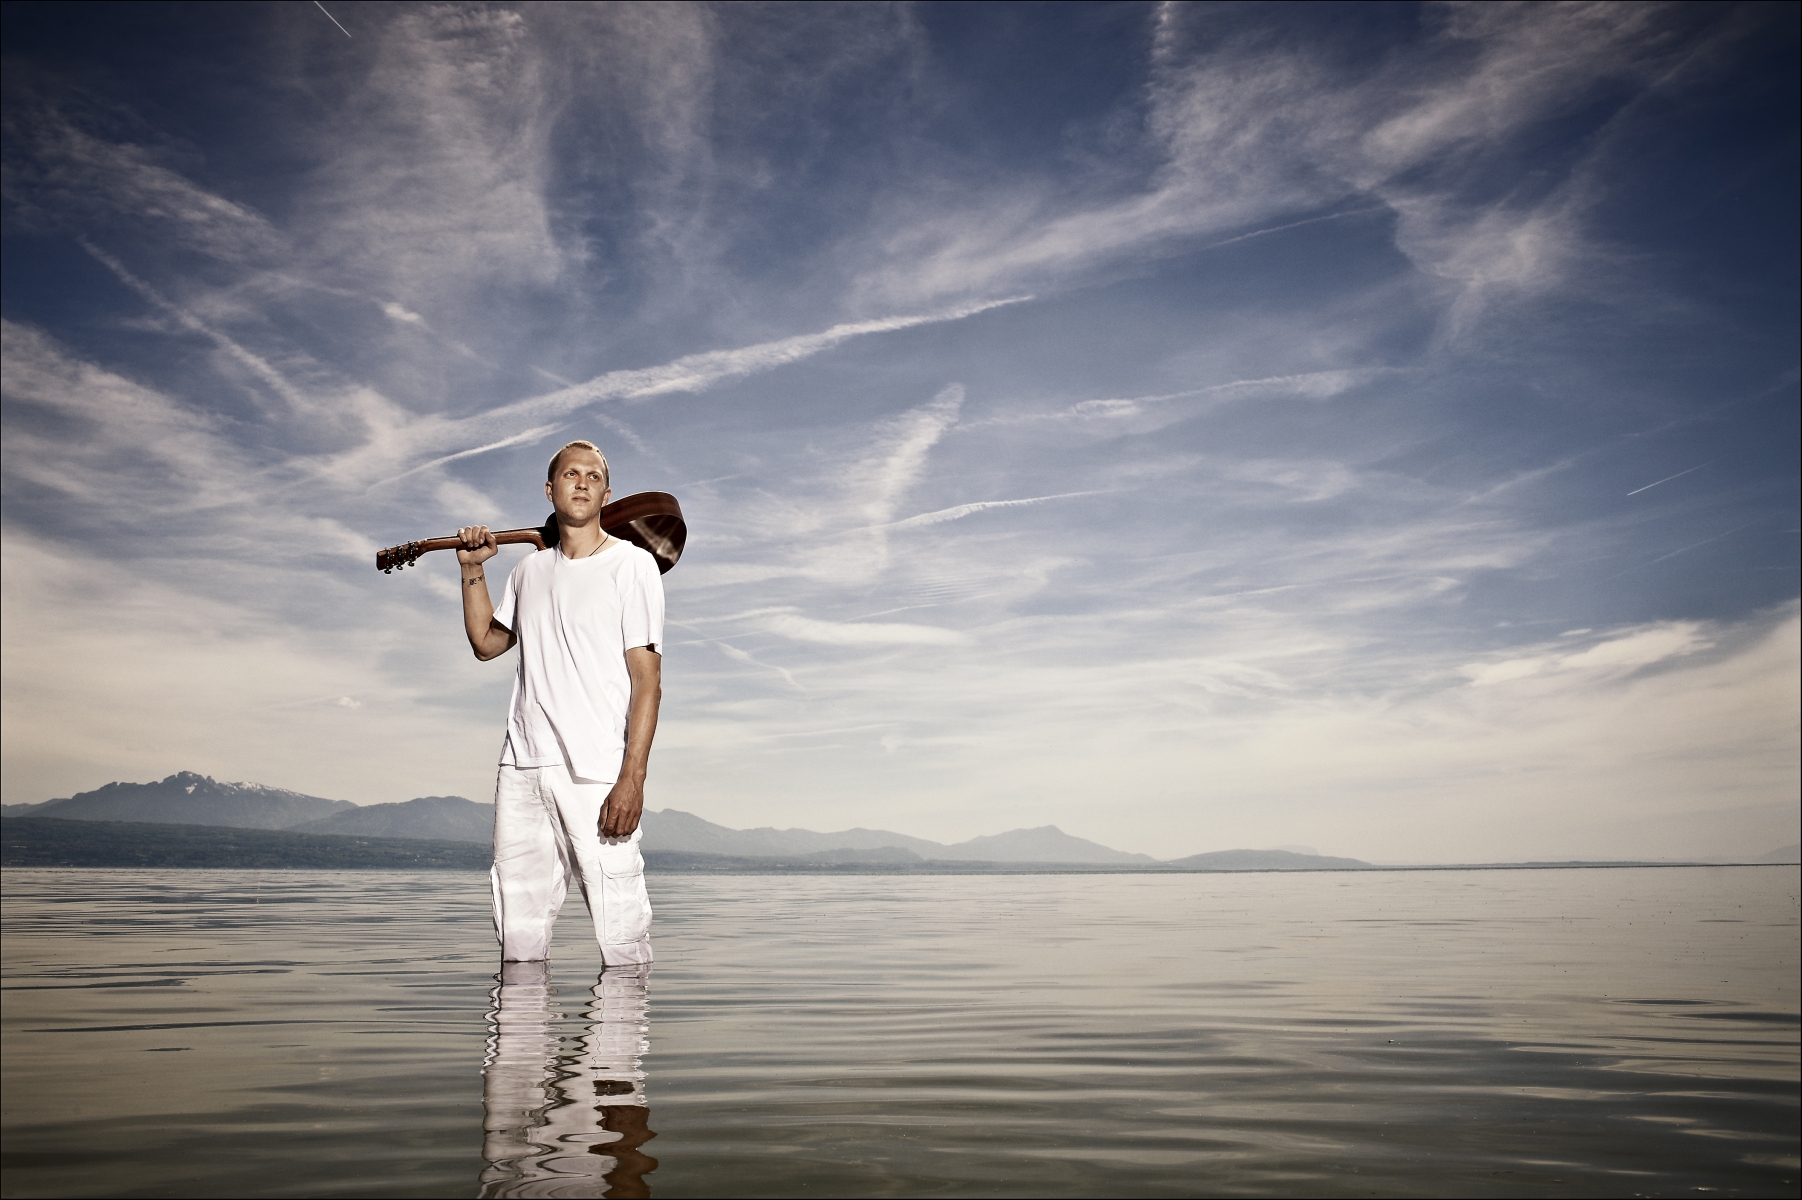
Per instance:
x=1363, y=426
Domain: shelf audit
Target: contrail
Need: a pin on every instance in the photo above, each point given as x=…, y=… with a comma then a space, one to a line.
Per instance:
x=737, y=655
x=964, y=510
x=332, y=19
x=692, y=373
x=518, y=439
x=1686, y=549
x=1668, y=478
x=1354, y=212
x=1682, y=549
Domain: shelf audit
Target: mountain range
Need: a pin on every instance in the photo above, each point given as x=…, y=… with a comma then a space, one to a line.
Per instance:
x=675, y=830
x=188, y=798
x=444, y=818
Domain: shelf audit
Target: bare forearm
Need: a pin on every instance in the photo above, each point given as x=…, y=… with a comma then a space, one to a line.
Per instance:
x=641, y=728
x=625, y=803
x=478, y=609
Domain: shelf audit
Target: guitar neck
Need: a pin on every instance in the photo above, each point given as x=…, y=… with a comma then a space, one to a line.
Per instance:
x=502, y=537
x=406, y=554
x=650, y=520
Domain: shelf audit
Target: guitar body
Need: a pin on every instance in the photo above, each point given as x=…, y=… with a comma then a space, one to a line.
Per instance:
x=652, y=521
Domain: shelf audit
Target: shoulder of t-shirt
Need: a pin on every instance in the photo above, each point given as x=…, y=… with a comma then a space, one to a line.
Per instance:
x=638, y=559
x=536, y=559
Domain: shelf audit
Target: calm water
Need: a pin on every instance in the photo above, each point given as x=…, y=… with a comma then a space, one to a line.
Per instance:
x=1583, y=1032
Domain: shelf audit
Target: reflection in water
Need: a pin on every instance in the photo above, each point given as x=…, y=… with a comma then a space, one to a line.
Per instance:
x=1593, y=1032
x=566, y=1116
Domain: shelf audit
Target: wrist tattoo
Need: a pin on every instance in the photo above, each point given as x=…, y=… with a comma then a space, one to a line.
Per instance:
x=477, y=579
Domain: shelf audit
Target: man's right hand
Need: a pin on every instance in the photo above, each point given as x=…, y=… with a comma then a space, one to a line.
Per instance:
x=478, y=545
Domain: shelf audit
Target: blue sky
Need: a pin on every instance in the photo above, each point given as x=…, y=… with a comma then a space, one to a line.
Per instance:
x=1364, y=426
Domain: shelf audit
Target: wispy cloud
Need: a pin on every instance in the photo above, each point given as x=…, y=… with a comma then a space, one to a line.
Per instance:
x=744, y=656
x=869, y=633
x=73, y=422
x=518, y=439
x=1248, y=131
x=257, y=366
x=62, y=176
x=395, y=312
x=960, y=511
x=688, y=374
x=1636, y=649
x=694, y=372
x=1165, y=406
x=904, y=444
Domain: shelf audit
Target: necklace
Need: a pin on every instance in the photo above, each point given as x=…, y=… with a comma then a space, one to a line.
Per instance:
x=605, y=538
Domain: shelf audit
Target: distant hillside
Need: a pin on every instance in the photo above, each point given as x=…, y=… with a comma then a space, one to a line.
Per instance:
x=1046, y=844
x=190, y=799
x=1263, y=860
x=443, y=818
x=875, y=855
x=673, y=830
x=1788, y=854
x=49, y=842
x=882, y=860
x=671, y=836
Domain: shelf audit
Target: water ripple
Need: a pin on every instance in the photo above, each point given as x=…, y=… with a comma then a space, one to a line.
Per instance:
x=1496, y=1033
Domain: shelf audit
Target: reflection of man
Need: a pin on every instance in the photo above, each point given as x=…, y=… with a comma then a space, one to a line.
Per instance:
x=563, y=1119
x=587, y=616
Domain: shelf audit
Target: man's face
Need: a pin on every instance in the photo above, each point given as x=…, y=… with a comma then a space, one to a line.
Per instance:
x=578, y=488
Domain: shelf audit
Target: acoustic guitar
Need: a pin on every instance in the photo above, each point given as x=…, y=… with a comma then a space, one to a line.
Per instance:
x=649, y=520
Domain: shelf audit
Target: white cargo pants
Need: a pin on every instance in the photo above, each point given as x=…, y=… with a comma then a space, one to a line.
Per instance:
x=545, y=824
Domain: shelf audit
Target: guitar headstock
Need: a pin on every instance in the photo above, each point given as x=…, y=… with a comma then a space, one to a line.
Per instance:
x=396, y=558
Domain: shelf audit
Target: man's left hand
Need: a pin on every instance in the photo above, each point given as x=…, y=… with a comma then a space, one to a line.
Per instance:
x=625, y=804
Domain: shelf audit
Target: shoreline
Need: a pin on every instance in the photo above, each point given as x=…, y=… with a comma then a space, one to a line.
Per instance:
x=28, y=843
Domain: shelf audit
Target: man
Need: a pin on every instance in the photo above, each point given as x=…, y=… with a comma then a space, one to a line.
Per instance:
x=587, y=616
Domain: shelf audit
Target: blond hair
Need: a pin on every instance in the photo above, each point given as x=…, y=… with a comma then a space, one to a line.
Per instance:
x=550, y=472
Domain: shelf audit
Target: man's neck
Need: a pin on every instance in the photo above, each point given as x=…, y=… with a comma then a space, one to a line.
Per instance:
x=579, y=541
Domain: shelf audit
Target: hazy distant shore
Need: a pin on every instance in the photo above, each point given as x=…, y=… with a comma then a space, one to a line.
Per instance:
x=192, y=820
x=50, y=842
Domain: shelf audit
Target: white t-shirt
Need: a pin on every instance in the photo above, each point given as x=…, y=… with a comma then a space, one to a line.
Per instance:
x=575, y=618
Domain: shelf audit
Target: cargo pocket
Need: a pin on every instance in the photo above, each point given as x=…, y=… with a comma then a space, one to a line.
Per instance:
x=625, y=905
